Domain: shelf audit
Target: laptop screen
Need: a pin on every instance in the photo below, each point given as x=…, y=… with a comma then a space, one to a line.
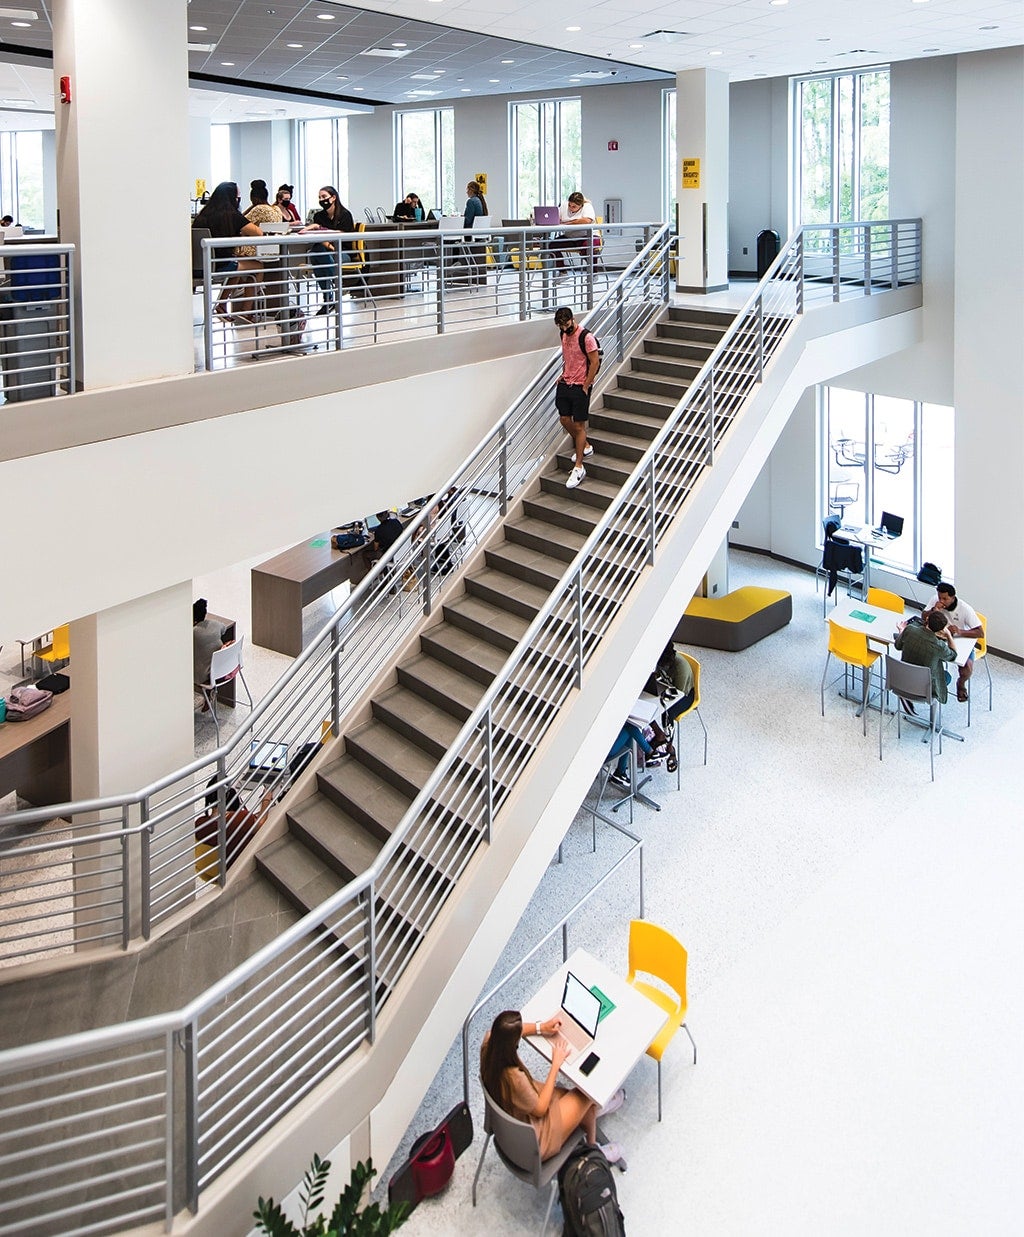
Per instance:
x=266, y=755
x=892, y=524
x=580, y=1004
x=543, y=215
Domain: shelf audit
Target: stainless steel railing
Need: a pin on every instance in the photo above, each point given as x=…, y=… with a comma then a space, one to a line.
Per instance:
x=37, y=343
x=256, y=1042
x=398, y=283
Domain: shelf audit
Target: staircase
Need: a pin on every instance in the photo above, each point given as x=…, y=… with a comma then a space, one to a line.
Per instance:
x=335, y=835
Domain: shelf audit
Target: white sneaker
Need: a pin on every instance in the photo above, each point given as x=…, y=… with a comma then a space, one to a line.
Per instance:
x=575, y=477
x=612, y=1152
x=588, y=450
x=615, y=1103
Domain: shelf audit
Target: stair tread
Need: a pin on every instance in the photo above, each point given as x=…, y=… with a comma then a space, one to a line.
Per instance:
x=402, y=756
x=421, y=713
x=461, y=689
x=465, y=644
x=475, y=608
x=353, y=779
x=598, y=435
x=562, y=504
x=294, y=868
x=553, y=532
x=352, y=847
x=513, y=587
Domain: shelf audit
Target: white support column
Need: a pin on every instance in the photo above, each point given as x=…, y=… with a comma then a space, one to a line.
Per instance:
x=702, y=134
x=123, y=200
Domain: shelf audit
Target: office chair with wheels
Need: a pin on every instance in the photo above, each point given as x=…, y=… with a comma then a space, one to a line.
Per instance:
x=225, y=665
x=980, y=655
x=655, y=951
x=914, y=685
x=518, y=1148
x=851, y=648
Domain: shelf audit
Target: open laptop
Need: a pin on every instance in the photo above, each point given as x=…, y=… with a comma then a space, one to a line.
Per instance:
x=545, y=216
x=582, y=1010
x=891, y=525
x=265, y=756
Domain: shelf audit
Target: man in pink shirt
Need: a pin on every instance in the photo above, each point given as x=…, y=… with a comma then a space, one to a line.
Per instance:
x=572, y=394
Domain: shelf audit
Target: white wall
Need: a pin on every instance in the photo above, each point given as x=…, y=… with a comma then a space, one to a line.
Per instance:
x=758, y=168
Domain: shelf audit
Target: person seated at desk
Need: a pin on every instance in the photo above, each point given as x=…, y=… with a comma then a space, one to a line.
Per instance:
x=449, y=524
x=930, y=645
x=222, y=218
x=410, y=207
x=628, y=735
x=554, y=1112
x=962, y=621
x=387, y=532
x=283, y=202
x=7, y=221
x=577, y=209
x=323, y=257
x=207, y=638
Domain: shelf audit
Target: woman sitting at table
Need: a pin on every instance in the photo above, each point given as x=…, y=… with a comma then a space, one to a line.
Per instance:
x=554, y=1112
x=331, y=217
x=409, y=208
x=222, y=218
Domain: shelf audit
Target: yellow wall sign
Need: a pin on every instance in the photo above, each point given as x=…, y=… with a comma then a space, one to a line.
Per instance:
x=691, y=173
x=481, y=180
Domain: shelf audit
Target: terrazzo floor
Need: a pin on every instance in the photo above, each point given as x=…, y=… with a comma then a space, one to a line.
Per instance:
x=855, y=942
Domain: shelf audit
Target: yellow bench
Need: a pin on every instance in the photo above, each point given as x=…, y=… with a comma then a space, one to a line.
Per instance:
x=735, y=621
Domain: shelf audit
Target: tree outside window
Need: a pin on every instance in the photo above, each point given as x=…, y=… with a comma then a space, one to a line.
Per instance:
x=425, y=157
x=545, y=143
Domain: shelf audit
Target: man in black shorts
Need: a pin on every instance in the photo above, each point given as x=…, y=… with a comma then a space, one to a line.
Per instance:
x=572, y=394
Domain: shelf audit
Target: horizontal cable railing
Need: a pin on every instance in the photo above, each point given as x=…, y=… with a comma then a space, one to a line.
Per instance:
x=391, y=283
x=298, y=1007
x=37, y=343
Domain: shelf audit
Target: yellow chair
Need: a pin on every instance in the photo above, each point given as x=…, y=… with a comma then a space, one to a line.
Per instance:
x=694, y=708
x=357, y=264
x=885, y=600
x=980, y=654
x=58, y=650
x=654, y=951
x=851, y=648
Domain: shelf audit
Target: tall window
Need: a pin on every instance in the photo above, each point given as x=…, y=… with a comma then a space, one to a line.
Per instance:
x=220, y=154
x=882, y=454
x=545, y=150
x=841, y=145
x=323, y=160
x=669, y=188
x=21, y=177
x=425, y=157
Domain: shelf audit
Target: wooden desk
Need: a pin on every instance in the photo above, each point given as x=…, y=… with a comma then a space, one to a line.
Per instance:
x=283, y=585
x=35, y=756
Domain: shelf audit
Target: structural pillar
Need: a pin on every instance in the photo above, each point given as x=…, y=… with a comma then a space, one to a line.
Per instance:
x=702, y=180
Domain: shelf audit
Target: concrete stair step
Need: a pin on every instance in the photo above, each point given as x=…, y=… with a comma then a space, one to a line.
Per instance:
x=716, y=317
x=592, y=493
x=364, y=794
x=616, y=444
x=337, y=839
x=507, y=592
x=675, y=348
x=691, y=332
x=641, y=403
x=526, y=563
x=441, y=684
x=562, y=509
x=418, y=719
x=648, y=362
x=467, y=653
x=601, y=468
x=391, y=756
x=617, y=421
x=292, y=868
x=479, y=617
x=550, y=538
x=652, y=384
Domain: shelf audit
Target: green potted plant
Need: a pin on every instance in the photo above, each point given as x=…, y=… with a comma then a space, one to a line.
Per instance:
x=346, y=1220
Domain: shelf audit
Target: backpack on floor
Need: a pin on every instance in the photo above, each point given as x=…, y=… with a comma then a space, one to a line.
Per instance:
x=583, y=333
x=586, y=1190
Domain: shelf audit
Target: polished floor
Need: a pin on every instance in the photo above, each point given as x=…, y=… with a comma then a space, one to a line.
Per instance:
x=855, y=940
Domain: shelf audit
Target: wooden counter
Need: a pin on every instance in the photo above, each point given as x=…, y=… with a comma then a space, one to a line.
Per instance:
x=35, y=756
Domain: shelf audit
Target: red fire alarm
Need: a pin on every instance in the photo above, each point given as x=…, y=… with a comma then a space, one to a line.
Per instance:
x=65, y=90
x=613, y=146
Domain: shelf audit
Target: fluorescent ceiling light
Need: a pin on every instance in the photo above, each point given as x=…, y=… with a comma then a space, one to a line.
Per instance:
x=23, y=15
x=202, y=47
x=386, y=53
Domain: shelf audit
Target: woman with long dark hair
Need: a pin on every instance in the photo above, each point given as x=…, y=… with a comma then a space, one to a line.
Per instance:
x=323, y=257
x=554, y=1112
x=476, y=204
x=222, y=218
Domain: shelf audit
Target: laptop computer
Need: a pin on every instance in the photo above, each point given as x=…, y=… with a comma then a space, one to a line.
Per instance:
x=267, y=756
x=545, y=216
x=891, y=525
x=582, y=1010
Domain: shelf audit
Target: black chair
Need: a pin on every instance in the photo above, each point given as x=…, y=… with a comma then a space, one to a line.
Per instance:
x=839, y=559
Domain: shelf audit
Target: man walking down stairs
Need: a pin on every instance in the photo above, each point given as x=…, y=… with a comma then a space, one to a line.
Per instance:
x=580, y=362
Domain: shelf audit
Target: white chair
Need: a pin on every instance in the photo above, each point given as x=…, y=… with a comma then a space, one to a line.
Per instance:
x=225, y=665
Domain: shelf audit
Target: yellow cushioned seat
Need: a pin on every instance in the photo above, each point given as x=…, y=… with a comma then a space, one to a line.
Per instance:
x=735, y=621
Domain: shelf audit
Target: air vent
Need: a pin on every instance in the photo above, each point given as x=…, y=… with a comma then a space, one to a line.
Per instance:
x=202, y=47
x=667, y=36
x=424, y=77
x=386, y=53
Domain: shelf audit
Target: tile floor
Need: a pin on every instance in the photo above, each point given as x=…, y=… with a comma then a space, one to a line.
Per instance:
x=854, y=932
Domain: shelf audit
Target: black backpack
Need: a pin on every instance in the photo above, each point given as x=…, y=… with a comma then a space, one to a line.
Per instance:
x=583, y=333
x=586, y=1190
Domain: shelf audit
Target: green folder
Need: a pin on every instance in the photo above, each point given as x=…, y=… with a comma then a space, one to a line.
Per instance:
x=864, y=618
x=607, y=1004
x=317, y=542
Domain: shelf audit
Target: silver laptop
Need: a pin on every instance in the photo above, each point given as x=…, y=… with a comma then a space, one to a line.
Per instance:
x=582, y=1010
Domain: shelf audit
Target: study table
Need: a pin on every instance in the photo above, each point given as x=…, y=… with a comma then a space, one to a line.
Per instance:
x=35, y=756
x=868, y=537
x=623, y=1035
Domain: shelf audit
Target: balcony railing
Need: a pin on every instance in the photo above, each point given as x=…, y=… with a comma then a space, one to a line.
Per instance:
x=37, y=343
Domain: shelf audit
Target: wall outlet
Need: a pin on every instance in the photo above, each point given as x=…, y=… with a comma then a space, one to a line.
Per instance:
x=735, y=523
x=744, y=249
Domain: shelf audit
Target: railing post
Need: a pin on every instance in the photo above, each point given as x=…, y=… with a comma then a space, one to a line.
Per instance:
x=72, y=349
x=371, y=959
x=565, y=941
x=620, y=330
x=339, y=316
x=524, y=303
x=428, y=559
x=126, y=880
x=652, y=514
x=590, y=267
x=835, y=264
x=579, y=628
x=894, y=255
x=440, y=283
x=207, y=303
x=222, y=822
x=760, y=338
x=867, y=259
x=711, y=418
x=188, y=1038
x=641, y=849
x=145, y=872
x=337, y=649
x=503, y=469
x=489, y=773
x=169, y=1159
x=800, y=274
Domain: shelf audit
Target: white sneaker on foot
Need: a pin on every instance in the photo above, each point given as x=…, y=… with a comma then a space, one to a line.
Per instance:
x=612, y=1152
x=588, y=450
x=575, y=477
x=614, y=1104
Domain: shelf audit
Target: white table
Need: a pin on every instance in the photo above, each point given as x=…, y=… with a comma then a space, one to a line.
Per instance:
x=623, y=1036
x=868, y=537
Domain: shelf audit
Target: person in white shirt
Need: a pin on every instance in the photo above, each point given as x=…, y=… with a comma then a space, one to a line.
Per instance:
x=577, y=209
x=961, y=620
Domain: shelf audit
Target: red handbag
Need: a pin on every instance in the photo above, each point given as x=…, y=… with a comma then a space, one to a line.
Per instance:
x=431, y=1161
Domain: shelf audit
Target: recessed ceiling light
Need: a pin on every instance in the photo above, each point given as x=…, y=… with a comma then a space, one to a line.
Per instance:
x=24, y=24
x=341, y=78
x=227, y=64
x=760, y=74
x=358, y=87
x=918, y=1
x=325, y=17
x=465, y=89
x=508, y=62
x=930, y=49
x=573, y=29
x=988, y=27
x=777, y=4
x=295, y=46
x=494, y=80
x=198, y=27
x=399, y=44
x=825, y=40
x=714, y=53
x=635, y=46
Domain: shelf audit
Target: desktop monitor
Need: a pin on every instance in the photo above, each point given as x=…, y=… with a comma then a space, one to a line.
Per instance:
x=545, y=216
x=891, y=524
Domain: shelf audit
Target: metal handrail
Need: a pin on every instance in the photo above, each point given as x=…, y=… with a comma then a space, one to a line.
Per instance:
x=366, y=951
x=40, y=362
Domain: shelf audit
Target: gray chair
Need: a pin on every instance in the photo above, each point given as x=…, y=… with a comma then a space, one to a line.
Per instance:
x=913, y=684
x=518, y=1148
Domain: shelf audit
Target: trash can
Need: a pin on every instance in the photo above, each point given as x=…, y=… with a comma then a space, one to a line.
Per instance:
x=767, y=250
x=30, y=326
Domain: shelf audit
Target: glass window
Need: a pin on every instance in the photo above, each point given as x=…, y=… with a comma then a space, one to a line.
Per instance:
x=323, y=160
x=425, y=157
x=891, y=455
x=220, y=154
x=841, y=142
x=669, y=191
x=545, y=143
x=21, y=177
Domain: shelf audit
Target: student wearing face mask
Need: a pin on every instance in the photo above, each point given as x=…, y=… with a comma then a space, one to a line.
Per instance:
x=283, y=201
x=331, y=217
